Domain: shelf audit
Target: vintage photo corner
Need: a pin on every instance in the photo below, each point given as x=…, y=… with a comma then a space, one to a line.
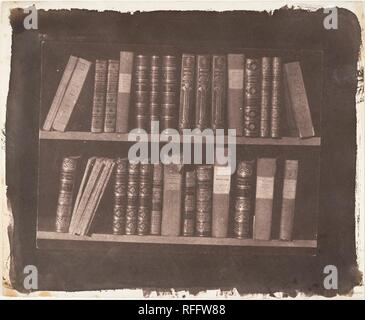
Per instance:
x=182, y=152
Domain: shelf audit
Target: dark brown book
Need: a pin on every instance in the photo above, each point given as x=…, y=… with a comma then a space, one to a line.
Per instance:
x=252, y=97
x=155, y=89
x=219, y=92
x=131, y=216
x=189, y=202
x=157, y=190
x=266, y=92
x=66, y=192
x=111, y=96
x=144, y=199
x=276, y=97
x=187, y=92
x=202, y=92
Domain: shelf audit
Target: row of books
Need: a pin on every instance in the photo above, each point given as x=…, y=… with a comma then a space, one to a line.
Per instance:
x=179, y=200
x=212, y=91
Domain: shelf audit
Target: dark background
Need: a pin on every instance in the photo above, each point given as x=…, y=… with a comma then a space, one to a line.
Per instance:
x=194, y=270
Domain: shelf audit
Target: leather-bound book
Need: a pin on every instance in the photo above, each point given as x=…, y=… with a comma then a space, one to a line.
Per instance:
x=66, y=192
x=189, y=202
x=219, y=92
x=111, y=96
x=169, y=93
x=276, y=97
x=202, y=93
x=203, y=222
x=157, y=190
x=120, y=195
x=124, y=91
x=131, y=215
x=266, y=92
x=236, y=65
x=155, y=89
x=288, y=203
x=98, y=111
x=144, y=199
x=266, y=170
x=252, y=97
x=187, y=91
x=141, y=91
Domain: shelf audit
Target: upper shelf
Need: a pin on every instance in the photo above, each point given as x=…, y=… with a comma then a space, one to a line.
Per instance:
x=123, y=137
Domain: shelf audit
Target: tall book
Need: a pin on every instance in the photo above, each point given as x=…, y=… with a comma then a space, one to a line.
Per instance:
x=243, y=199
x=56, y=102
x=120, y=195
x=98, y=110
x=276, y=97
x=187, y=91
x=124, y=91
x=71, y=95
x=266, y=169
x=203, y=222
x=252, y=97
x=189, y=202
x=131, y=218
x=169, y=94
x=266, y=92
x=235, y=112
x=288, y=203
x=111, y=96
x=155, y=90
x=298, y=100
x=144, y=199
x=172, y=200
x=66, y=191
x=157, y=190
x=202, y=92
x=219, y=91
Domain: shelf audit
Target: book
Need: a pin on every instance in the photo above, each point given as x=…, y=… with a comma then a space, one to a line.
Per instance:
x=266, y=169
x=56, y=102
x=202, y=92
x=124, y=91
x=169, y=94
x=111, y=96
x=277, y=80
x=189, y=203
x=155, y=90
x=219, y=91
x=235, y=111
x=187, y=91
x=157, y=190
x=288, y=201
x=66, y=192
x=120, y=195
x=252, y=97
x=266, y=93
x=132, y=199
x=98, y=110
x=291, y=126
x=71, y=95
x=172, y=200
x=203, y=222
x=243, y=199
x=144, y=199
x=298, y=100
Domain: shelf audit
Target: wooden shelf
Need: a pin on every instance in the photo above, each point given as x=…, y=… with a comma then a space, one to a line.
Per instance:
x=123, y=137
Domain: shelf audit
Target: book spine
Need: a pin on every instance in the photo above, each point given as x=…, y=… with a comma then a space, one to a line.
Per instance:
x=98, y=110
x=65, y=195
x=187, y=91
x=252, y=97
x=67, y=73
x=189, y=203
x=131, y=216
x=202, y=93
x=221, y=196
x=235, y=112
x=111, y=96
x=157, y=189
x=172, y=201
x=243, y=206
x=266, y=92
x=219, y=91
x=266, y=169
x=124, y=91
x=71, y=95
x=120, y=195
x=203, y=224
x=169, y=107
x=155, y=89
x=292, y=129
x=288, y=203
x=277, y=82
x=144, y=199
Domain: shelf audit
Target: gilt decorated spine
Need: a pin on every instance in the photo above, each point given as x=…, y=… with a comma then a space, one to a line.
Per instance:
x=202, y=93
x=111, y=96
x=219, y=91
